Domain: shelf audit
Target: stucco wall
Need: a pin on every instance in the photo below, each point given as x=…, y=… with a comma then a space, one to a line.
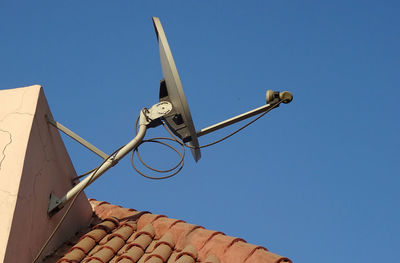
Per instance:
x=33, y=163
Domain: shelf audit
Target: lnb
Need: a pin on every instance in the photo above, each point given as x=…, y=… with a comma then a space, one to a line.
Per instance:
x=276, y=96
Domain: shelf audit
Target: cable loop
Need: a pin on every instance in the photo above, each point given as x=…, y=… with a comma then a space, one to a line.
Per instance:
x=178, y=167
x=156, y=140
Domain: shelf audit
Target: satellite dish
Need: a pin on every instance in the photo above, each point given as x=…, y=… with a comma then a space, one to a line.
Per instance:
x=179, y=120
x=174, y=110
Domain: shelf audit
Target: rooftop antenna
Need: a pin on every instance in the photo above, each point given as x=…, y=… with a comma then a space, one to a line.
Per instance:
x=172, y=109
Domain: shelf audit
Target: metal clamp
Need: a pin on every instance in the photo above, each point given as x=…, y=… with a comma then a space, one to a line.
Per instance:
x=158, y=110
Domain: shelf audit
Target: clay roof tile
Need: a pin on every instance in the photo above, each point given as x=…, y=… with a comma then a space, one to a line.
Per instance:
x=187, y=255
x=108, y=224
x=146, y=230
x=211, y=259
x=147, y=219
x=129, y=236
x=166, y=239
x=260, y=255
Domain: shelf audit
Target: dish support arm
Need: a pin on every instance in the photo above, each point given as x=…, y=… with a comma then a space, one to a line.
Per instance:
x=147, y=116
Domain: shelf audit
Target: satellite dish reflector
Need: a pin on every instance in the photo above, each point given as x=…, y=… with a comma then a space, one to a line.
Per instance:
x=174, y=109
x=179, y=120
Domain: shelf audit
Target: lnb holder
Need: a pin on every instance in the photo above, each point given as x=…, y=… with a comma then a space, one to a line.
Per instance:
x=274, y=98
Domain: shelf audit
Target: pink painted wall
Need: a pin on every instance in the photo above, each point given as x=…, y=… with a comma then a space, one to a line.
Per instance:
x=33, y=163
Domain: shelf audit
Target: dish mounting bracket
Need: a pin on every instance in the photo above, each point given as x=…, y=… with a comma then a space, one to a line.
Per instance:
x=148, y=118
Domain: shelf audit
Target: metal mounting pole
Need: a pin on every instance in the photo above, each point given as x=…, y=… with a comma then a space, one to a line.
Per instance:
x=147, y=116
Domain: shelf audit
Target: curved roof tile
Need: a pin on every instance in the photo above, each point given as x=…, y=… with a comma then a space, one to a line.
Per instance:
x=130, y=236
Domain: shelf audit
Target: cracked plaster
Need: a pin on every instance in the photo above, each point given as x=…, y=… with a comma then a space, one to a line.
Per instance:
x=33, y=163
x=3, y=152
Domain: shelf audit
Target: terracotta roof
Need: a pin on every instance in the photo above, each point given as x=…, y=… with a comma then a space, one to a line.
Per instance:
x=128, y=236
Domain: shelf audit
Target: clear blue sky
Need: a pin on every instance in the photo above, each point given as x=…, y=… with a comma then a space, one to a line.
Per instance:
x=315, y=180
